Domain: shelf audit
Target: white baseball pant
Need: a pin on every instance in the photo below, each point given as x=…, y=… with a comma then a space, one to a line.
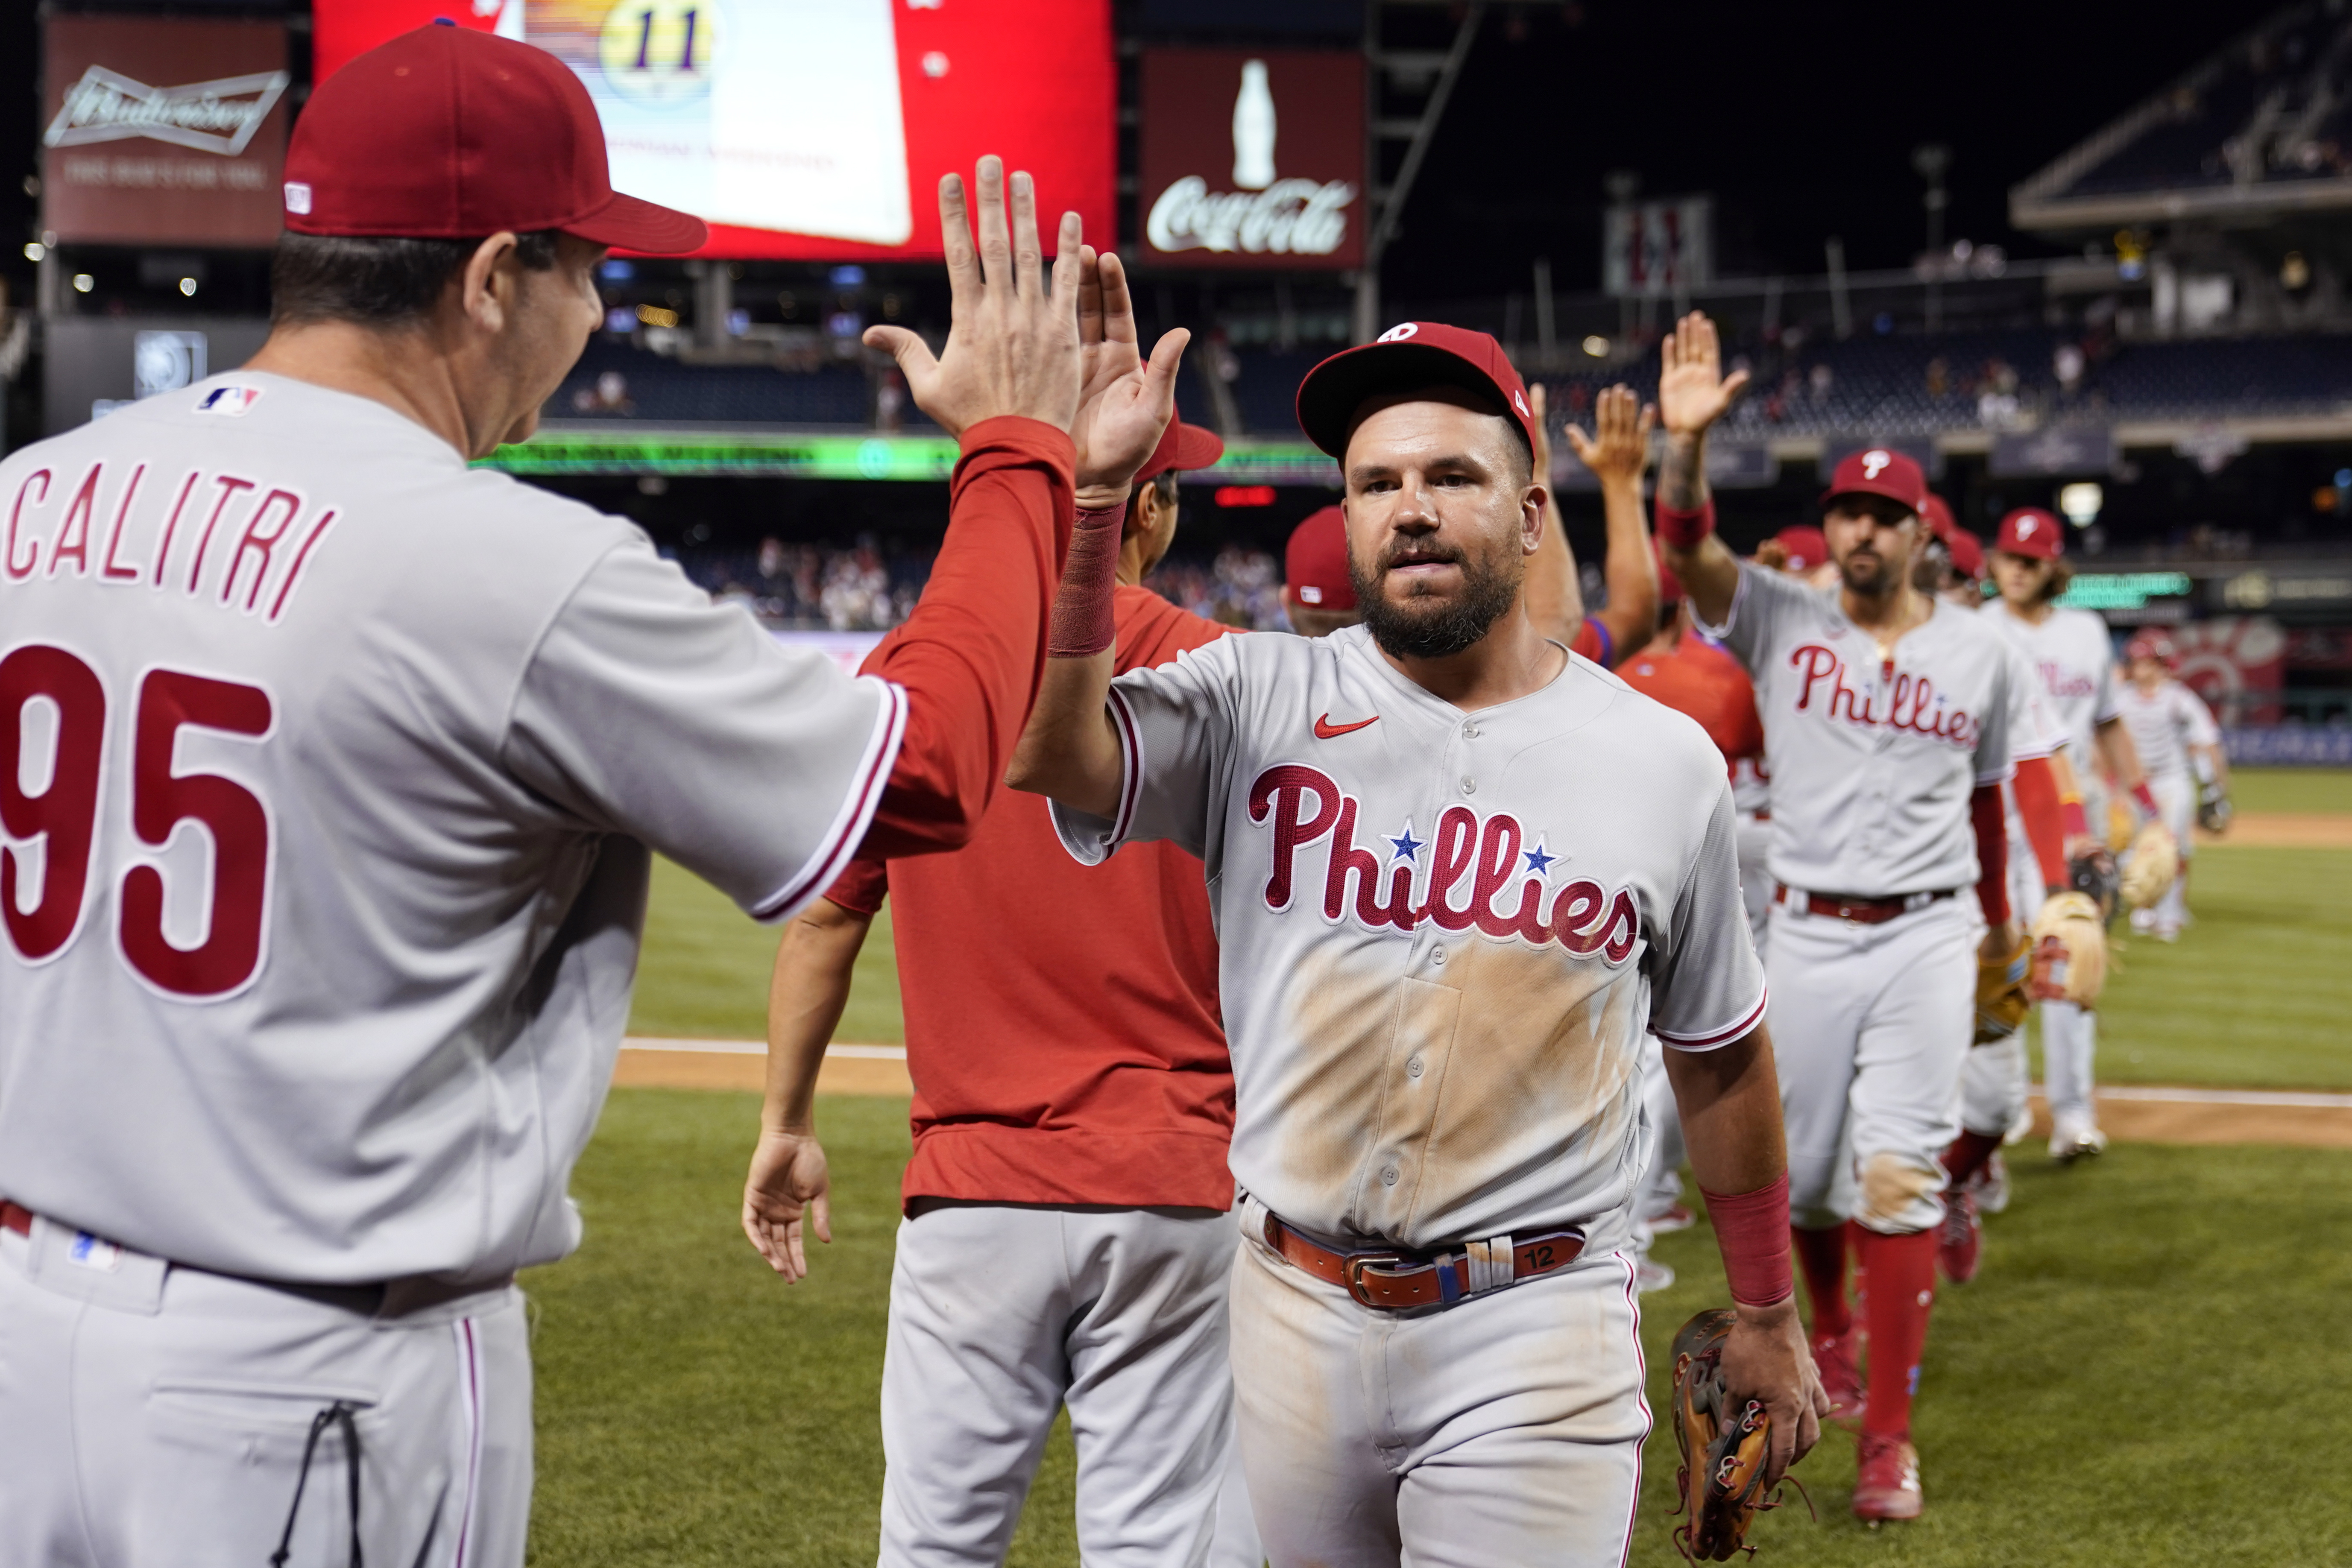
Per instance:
x=1003, y=1314
x=2176, y=797
x=1871, y=1027
x=155, y=1414
x=1501, y=1432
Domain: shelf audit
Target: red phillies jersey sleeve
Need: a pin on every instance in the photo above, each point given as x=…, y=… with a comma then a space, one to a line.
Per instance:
x=1063, y=1024
x=862, y=888
x=1591, y=642
x=1705, y=683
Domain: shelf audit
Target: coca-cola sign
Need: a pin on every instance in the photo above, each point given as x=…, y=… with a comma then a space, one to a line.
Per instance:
x=163, y=130
x=1252, y=157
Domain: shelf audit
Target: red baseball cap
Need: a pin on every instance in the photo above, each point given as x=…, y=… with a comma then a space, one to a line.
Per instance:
x=2152, y=644
x=1968, y=553
x=1182, y=446
x=448, y=133
x=1880, y=470
x=1315, y=566
x=1808, y=547
x=1405, y=357
x=2030, y=531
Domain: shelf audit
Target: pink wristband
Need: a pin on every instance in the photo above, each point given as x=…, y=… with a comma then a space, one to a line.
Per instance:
x=1752, y=1230
x=1683, y=530
x=2147, y=798
x=1081, y=623
x=2070, y=813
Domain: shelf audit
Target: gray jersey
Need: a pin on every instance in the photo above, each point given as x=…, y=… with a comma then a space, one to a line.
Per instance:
x=1872, y=761
x=2164, y=724
x=2073, y=665
x=332, y=763
x=1443, y=933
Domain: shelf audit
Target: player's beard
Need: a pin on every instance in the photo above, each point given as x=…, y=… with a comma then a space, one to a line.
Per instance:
x=1423, y=626
x=1866, y=574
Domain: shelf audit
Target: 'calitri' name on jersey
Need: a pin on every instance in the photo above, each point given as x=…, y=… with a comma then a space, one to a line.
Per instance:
x=1443, y=933
x=1874, y=758
x=2073, y=665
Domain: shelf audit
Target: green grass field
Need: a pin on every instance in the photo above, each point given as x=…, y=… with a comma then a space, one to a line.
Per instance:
x=2143, y=1373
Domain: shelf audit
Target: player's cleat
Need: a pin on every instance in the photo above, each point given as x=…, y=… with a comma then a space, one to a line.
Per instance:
x=1667, y=1221
x=2019, y=1128
x=2075, y=1137
x=1888, y=1483
x=2143, y=921
x=2165, y=931
x=1959, y=1240
x=1990, y=1185
x=1652, y=1275
x=1837, y=1358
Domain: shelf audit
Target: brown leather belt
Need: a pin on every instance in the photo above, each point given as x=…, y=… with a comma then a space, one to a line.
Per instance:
x=1860, y=911
x=1395, y=1281
x=16, y=1218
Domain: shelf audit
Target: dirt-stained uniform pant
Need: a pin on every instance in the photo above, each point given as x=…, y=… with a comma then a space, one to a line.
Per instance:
x=154, y=1416
x=1003, y=1314
x=1870, y=1030
x=1499, y=1433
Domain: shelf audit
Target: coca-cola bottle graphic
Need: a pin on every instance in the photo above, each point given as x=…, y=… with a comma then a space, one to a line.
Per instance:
x=1254, y=129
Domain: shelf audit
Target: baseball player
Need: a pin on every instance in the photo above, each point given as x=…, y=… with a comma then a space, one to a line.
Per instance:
x=1068, y=1238
x=1890, y=720
x=322, y=916
x=1314, y=587
x=1457, y=872
x=2179, y=745
x=1952, y=563
x=2073, y=660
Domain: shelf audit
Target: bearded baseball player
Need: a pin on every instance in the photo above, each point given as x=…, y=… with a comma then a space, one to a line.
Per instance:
x=1068, y=1238
x=322, y=918
x=1457, y=872
x=1891, y=719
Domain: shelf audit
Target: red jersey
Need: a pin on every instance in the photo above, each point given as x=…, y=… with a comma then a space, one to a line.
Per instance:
x=1705, y=682
x=1062, y=1027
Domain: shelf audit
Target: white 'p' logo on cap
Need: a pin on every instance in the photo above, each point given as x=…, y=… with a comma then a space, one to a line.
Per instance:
x=1519, y=402
x=1874, y=464
x=2024, y=526
x=297, y=198
x=1399, y=333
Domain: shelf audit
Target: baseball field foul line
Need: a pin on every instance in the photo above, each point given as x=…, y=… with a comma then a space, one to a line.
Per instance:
x=2135, y=1113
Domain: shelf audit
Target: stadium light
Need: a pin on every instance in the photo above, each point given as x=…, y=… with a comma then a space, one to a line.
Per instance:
x=1597, y=346
x=35, y=250
x=188, y=287
x=84, y=283
x=2080, y=503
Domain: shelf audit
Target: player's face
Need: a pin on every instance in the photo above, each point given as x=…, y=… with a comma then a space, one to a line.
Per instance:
x=1440, y=520
x=555, y=312
x=1872, y=543
x=2148, y=673
x=2020, y=577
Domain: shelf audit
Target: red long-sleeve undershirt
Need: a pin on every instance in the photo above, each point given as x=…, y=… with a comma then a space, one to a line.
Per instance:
x=972, y=654
x=2038, y=805
x=1993, y=852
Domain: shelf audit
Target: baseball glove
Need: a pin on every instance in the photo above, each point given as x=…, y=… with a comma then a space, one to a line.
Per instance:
x=1721, y=1481
x=2214, y=809
x=2070, y=950
x=2093, y=875
x=2002, y=999
x=2154, y=861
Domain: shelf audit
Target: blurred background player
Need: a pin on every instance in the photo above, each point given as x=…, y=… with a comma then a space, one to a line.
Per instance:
x=2179, y=747
x=1952, y=561
x=1800, y=551
x=1068, y=1235
x=1885, y=808
x=1314, y=587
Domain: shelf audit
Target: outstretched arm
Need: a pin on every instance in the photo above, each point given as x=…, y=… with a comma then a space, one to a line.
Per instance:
x=1617, y=453
x=1692, y=393
x=788, y=1187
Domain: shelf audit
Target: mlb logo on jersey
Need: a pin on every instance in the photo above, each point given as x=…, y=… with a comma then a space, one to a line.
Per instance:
x=229, y=401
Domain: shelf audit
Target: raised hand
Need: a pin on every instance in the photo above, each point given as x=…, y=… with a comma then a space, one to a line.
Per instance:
x=788, y=1190
x=1618, y=447
x=1124, y=401
x=1693, y=391
x=1013, y=347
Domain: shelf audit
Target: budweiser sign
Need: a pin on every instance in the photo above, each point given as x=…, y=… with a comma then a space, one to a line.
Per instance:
x=208, y=116
x=1252, y=157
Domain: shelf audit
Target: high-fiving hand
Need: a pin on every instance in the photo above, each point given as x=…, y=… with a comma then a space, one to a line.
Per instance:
x=1124, y=401
x=1693, y=391
x=1618, y=447
x=1013, y=347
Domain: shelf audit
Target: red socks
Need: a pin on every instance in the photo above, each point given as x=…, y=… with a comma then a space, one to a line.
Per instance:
x=1967, y=1155
x=1822, y=1255
x=1902, y=1289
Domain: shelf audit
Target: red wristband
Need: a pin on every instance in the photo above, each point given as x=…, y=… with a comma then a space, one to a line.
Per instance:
x=2070, y=813
x=2147, y=798
x=1683, y=530
x=1082, y=619
x=1752, y=1230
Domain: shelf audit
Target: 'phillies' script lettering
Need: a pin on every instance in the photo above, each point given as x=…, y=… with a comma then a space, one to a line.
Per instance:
x=1907, y=701
x=1479, y=875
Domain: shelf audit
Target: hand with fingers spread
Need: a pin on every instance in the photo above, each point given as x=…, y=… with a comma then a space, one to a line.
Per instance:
x=1618, y=447
x=1013, y=346
x=1124, y=401
x=1693, y=391
x=788, y=1191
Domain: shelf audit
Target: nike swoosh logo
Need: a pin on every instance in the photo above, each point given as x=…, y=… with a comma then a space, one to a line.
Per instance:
x=1326, y=730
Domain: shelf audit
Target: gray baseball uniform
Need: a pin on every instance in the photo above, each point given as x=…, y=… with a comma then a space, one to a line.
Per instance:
x=331, y=766
x=1443, y=934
